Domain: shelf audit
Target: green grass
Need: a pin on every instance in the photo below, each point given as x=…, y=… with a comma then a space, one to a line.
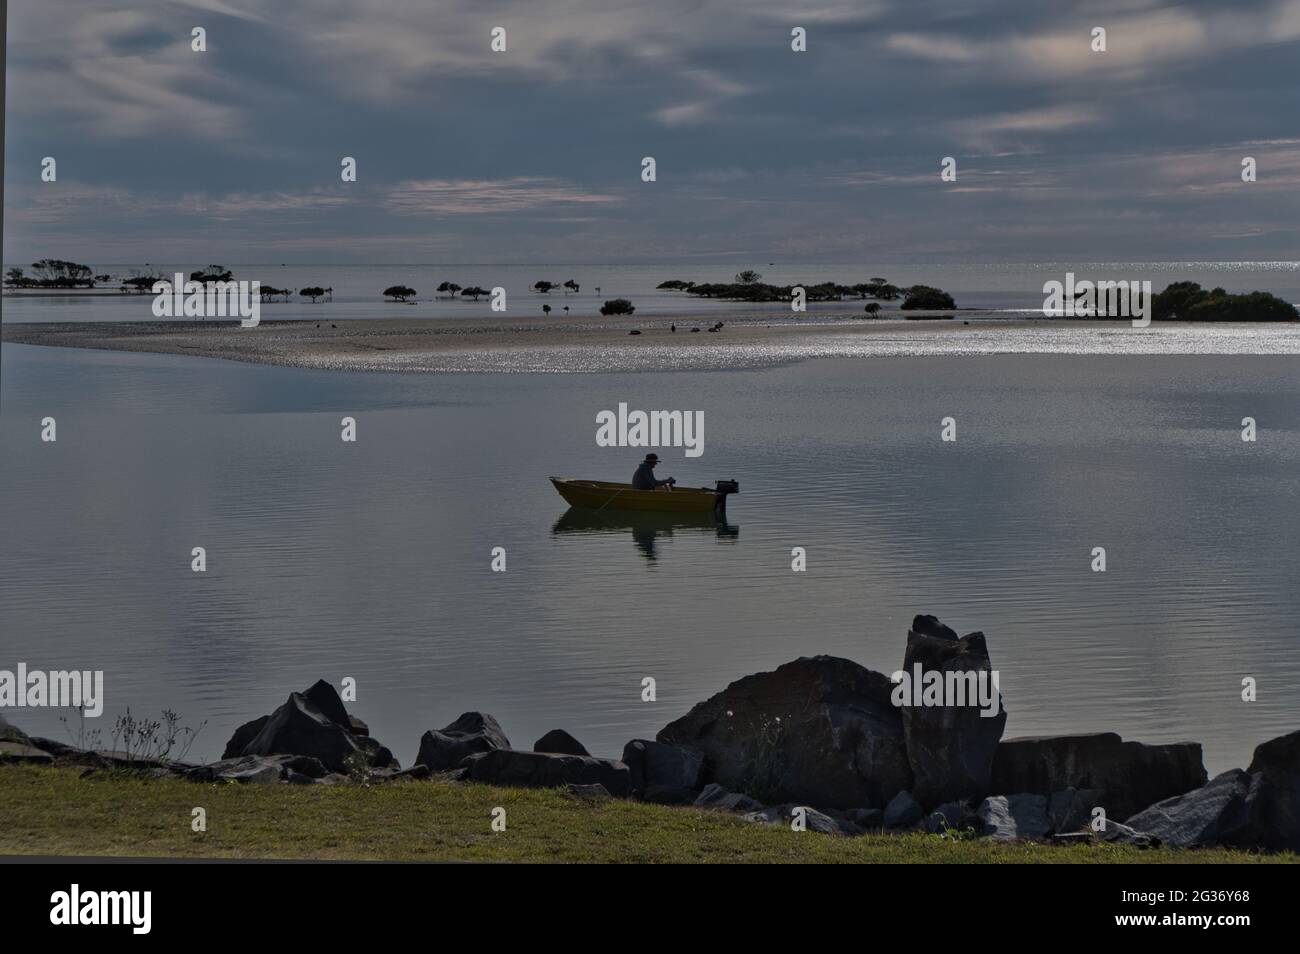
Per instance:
x=52, y=811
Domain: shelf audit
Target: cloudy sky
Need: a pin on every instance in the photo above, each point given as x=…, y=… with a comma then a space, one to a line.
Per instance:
x=534, y=155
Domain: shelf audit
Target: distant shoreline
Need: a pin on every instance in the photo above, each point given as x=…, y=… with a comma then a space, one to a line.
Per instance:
x=575, y=344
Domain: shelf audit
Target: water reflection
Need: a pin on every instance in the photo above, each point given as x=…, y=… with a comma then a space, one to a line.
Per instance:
x=646, y=528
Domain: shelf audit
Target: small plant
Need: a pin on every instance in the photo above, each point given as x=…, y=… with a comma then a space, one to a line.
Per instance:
x=152, y=740
x=761, y=778
x=959, y=834
x=358, y=768
x=84, y=740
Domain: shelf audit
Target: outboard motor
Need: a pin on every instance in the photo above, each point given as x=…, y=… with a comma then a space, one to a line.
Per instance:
x=724, y=487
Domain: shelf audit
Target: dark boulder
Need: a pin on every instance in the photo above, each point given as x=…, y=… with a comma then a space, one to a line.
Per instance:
x=1215, y=814
x=512, y=768
x=950, y=746
x=323, y=698
x=559, y=742
x=377, y=755
x=1130, y=775
x=243, y=735
x=903, y=811
x=868, y=819
x=299, y=728
x=818, y=731
x=326, y=698
x=668, y=795
x=657, y=765
x=718, y=798
x=1275, y=802
x=472, y=733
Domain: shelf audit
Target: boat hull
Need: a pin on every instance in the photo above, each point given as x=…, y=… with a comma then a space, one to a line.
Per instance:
x=605, y=495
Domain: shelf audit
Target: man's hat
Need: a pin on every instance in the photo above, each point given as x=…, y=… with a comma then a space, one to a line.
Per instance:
x=651, y=458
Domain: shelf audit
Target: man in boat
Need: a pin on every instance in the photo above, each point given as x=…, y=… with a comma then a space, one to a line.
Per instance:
x=644, y=478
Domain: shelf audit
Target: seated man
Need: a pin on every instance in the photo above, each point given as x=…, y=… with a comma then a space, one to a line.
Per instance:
x=644, y=478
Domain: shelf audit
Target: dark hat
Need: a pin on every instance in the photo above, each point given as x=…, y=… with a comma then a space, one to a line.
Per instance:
x=651, y=458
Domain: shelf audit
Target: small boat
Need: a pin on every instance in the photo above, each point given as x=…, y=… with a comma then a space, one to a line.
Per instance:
x=604, y=495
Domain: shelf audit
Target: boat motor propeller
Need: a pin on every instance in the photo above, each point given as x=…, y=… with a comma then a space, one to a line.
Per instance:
x=724, y=487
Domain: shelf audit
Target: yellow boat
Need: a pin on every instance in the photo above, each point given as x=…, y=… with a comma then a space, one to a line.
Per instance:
x=605, y=495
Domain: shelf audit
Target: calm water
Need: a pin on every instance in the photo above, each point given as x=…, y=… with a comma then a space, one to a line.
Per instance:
x=371, y=560
x=358, y=288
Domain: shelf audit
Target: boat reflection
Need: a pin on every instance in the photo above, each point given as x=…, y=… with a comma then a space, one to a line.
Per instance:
x=646, y=528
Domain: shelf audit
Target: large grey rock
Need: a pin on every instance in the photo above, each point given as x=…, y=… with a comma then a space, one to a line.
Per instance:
x=655, y=765
x=559, y=742
x=299, y=728
x=472, y=733
x=260, y=770
x=813, y=820
x=818, y=731
x=1275, y=799
x=1013, y=817
x=541, y=770
x=22, y=752
x=252, y=770
x=950, y=747
x=1130, y=775
x=718, y=798
x=903, y=811
x=1214, y=814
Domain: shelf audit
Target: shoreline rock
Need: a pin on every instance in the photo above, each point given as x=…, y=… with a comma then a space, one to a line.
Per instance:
x=448, y=747
x=950, y=748
x=819, y=731
x=1130, y=775
x=820, y=734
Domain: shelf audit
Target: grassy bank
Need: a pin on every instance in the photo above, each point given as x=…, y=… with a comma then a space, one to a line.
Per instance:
x=52, y=811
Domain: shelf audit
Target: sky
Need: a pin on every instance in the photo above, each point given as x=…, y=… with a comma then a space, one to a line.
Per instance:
x=762, y=153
